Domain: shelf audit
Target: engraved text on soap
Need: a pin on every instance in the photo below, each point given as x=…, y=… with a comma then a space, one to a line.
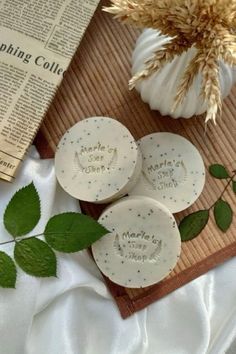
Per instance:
x=138, y=247
x=166, y=174
x=96, y=159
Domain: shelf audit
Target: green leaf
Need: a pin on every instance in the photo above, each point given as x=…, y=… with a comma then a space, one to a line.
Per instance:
x=23, y=211
x=223, y=215
x=219, y=171
x=35, y=257
x=72, y=232
x=234, y=186
x=192, y=225
x=7, y=271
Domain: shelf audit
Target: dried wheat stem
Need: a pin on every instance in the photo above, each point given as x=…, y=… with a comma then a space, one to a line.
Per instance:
x=211, y=88
x=132, y=12
x=186, y=81
x=158, y=61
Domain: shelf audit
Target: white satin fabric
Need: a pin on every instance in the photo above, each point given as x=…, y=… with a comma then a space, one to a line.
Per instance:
x=75, y=314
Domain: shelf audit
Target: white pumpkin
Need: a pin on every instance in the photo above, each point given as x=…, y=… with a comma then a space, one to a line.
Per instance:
x=159, y=90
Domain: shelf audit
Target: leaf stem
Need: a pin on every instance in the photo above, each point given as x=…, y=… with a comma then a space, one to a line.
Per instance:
x=34, y=236
x=20, y=239
x=224, y=190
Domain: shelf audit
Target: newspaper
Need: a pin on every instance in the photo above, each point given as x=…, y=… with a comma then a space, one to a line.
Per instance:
x=38, y=39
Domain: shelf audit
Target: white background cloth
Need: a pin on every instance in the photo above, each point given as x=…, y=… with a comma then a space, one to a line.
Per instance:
x=75, y=314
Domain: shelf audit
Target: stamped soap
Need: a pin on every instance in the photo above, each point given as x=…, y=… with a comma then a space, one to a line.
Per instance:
x=173, y=171
x=98, y=160
x=143, y=245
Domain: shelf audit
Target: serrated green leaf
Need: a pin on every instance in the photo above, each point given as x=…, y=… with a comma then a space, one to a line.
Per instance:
x=223, y=215
x=35, y=257
x=23, y=211
x=234, y=186
x=7, y=271
x=192, y=225
x=72, y=232
x=219, y=171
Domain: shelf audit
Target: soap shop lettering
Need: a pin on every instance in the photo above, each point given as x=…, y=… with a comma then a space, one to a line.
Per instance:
x=40, y=61
x=97, y=148
x=96, y=159
x=166, y=164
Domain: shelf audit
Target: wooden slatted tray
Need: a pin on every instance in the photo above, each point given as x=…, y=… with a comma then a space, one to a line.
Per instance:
x=96, y=84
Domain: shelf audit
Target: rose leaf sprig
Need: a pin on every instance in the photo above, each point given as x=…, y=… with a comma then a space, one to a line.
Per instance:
x=67, y=232
x=192, y=225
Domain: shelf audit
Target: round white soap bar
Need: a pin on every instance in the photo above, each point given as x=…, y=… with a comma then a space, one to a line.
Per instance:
x=98, y=160
x=173, y=171
x=144, y=244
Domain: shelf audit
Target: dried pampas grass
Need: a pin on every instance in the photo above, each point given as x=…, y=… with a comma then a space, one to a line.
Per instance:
x=208, y=25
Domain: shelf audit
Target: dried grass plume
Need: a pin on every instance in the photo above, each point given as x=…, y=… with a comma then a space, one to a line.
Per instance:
x=208, y=25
